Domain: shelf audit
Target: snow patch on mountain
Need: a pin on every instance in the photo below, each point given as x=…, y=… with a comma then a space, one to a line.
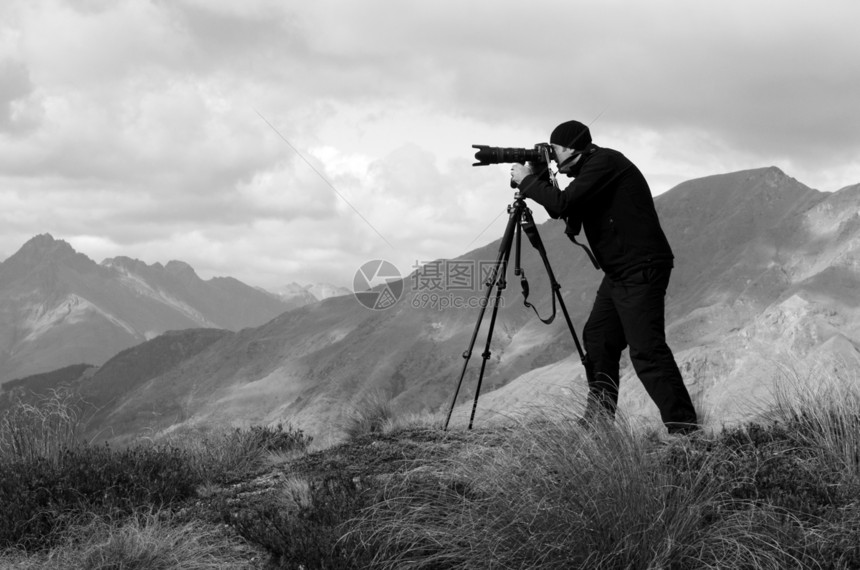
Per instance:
x=139, y=285
x=326, y=291
x=39, y=318
x=311, y=292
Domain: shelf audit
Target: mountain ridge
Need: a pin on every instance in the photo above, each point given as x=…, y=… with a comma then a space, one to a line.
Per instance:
x=413, y=355
x=59, y=307
x=765, y=269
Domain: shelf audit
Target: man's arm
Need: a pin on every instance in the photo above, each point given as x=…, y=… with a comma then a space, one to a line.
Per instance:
x=594, y=177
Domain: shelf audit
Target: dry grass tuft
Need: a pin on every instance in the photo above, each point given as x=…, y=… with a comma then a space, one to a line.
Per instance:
x=557, y=495
x=41, y=430
x=822, y=405
x=151, y=541
x=374, y=414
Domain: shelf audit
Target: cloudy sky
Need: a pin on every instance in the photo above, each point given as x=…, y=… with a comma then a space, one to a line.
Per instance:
x=280, y=140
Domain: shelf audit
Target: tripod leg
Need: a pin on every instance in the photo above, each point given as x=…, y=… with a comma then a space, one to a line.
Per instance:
x=504, y=253
x=557, y=292
x=502, y=284
x=534, y=237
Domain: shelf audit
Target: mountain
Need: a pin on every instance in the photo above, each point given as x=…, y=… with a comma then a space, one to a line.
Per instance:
x=311, y=293
x=58, y=307
x=764, y=294
x=765, y=286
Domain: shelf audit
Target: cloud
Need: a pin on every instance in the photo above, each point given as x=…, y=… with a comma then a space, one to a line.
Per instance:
x=276, y=141
x=18, y=115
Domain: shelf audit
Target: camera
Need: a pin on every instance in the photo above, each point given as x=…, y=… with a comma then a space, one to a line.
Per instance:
x=486, y=155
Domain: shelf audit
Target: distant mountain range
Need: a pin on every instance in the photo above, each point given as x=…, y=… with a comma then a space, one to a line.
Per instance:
x=58, y=307
x=311, y=293
x=766, y=282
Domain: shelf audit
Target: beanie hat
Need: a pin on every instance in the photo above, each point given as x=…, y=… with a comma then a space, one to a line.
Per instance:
x=571, y=134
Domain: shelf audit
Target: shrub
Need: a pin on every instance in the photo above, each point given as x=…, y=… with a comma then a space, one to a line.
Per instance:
x=41, y=496
x=144, y=541
x=302, y=526
x=228, y=456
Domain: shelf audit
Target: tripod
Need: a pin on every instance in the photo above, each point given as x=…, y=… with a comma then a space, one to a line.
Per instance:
x=520, y=219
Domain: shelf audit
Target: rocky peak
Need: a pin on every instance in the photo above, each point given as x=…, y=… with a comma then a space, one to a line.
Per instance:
x=180, y=269
x=44, y=245
x=130, y=264
x=43, y=251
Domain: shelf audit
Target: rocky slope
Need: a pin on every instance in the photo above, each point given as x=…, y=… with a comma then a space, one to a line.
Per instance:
x=764, y=287
x=764, y=298
x=58, y=307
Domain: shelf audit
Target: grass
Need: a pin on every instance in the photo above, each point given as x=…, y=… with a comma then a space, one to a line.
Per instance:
x=219, y=456
x=42, y=430
x=401, y=493
x=826, y=414
x=377, y=414
x=373, y=414
x=61, y=494
x=145, y=541
x=551, y=496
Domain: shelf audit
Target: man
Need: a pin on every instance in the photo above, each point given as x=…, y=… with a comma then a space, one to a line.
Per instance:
x=610, y=199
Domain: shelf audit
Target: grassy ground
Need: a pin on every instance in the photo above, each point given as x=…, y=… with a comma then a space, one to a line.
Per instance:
x=401, y=493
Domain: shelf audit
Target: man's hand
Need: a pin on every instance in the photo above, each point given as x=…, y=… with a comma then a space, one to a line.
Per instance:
x=520, y=171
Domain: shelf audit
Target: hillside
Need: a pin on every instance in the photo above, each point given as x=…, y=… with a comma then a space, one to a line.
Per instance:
x=765, y=270
x=403, y=493
x=764, y=292
x=58, y=307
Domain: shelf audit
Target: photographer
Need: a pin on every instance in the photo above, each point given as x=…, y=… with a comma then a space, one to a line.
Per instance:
x=610, y=199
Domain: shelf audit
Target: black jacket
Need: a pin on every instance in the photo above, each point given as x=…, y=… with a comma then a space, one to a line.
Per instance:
x=611, y=200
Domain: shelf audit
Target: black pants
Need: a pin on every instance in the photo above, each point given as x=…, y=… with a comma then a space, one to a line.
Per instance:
x=632, y=312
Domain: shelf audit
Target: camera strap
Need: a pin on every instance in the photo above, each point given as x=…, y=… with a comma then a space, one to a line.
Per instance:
x=525, y=285
x=547, y=157
x=587, y=250
x=531, y=232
